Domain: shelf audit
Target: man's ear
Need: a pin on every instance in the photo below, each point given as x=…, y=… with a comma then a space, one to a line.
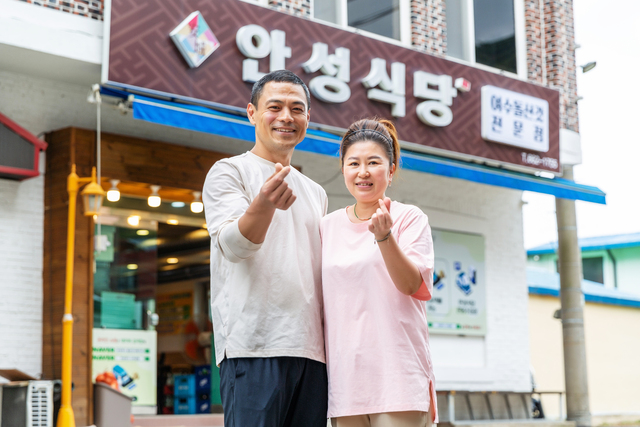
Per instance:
x=251, y=111
x=308, y=116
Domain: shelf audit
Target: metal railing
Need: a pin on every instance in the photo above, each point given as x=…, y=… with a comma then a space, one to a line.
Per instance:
x=524, y=397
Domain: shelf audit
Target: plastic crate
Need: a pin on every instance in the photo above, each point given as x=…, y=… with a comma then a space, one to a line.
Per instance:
x=184, y=385
x=203, y=406
x=203, y=379
x=184, y=405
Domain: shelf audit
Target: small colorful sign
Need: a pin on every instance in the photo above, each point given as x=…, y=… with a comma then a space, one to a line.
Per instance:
x=458, y=303
x=130, y=357
x=194, y=39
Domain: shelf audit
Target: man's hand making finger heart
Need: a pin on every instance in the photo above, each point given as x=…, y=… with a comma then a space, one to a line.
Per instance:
x=276, y=192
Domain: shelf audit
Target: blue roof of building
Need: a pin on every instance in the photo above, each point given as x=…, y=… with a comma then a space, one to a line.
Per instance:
x=617, y=241
x=545, y=282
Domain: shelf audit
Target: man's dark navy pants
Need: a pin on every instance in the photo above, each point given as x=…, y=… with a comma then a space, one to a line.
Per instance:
x=273, y=392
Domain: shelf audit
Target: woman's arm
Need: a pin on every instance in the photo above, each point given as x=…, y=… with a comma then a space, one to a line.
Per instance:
x=403, y=271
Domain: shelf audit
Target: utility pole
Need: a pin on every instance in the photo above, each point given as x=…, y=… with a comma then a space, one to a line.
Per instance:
x=571, y=303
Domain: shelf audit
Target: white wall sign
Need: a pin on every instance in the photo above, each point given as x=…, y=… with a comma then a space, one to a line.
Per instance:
x=458, y=302
x=515, y=119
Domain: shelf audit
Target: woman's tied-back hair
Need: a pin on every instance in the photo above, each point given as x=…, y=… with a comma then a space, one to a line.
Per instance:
x=380, y=131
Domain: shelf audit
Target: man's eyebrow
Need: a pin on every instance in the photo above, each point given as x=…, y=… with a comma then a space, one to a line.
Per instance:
x=279, y=101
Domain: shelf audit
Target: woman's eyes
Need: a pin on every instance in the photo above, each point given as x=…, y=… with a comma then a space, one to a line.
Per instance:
x=372, y=162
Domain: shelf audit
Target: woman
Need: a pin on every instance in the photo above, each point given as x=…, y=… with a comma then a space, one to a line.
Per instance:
x=377, y=269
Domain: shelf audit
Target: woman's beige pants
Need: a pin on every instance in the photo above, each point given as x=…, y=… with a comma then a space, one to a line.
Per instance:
x=388, y=419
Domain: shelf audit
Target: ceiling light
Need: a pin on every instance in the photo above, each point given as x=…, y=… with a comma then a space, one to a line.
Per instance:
x=154, y=199
x=172, y=221
x=142, y=232
x=133, y=220
x=196, y=205
x=177, y=204
x=172, y=260
x=132, y=266
x=113, y=195
x=588, y=66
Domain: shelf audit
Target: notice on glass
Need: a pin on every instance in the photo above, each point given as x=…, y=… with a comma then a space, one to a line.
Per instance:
x=130, y=357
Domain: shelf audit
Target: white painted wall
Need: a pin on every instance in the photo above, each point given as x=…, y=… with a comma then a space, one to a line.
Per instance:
x=21, y=235
x=44, y=42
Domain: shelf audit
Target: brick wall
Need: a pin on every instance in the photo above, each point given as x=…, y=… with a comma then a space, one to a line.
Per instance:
x=21, y=234
x=301, y=8
x=90, y=8
x=534, y=27
x=428, y=28
x=561, y=58
x=551, y=58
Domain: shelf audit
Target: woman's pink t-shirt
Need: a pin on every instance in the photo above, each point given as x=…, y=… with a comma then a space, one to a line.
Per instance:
x=376, y=338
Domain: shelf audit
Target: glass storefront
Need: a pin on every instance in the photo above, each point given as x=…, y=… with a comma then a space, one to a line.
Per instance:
x=151, y=304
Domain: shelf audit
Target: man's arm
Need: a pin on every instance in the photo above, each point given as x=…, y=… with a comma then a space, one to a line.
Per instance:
x=274, y=194
x=226, y=202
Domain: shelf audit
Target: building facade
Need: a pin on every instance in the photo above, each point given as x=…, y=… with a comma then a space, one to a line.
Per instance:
x=608, y=312
x=51, y=53
x=612, y=261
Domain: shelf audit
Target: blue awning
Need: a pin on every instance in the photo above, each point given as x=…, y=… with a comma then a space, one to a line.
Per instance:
x=203, y=119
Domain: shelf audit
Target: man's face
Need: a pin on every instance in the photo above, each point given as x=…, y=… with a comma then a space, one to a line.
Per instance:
x=281, y=117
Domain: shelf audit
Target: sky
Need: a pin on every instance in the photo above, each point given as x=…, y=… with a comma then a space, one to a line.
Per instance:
x=609, y=113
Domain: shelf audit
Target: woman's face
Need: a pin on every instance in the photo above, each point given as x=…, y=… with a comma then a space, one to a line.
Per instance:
x=366, y=170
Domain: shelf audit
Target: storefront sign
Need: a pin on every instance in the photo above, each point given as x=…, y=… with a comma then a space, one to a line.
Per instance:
x=130, y=355
x=435, y=103
x=515, y=119
x=458, y=303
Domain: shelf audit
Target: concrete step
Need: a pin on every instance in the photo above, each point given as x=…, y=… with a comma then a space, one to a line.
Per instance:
x=200, y=420
x=511, y=423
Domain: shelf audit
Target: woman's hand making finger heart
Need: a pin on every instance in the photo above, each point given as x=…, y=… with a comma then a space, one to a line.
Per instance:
x=381, y=222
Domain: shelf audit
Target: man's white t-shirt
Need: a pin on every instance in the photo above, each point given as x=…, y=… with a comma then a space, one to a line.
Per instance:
x=266, y=299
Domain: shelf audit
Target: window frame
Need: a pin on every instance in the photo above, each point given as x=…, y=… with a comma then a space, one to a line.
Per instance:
x=469, y=40
x=404, y=9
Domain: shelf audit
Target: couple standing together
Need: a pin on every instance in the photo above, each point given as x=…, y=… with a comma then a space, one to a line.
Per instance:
x=293, y=289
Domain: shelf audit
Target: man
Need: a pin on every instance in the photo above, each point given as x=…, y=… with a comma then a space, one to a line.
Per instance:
x=266, y=299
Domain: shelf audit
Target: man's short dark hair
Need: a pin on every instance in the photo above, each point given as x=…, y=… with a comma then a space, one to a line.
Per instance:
x=280, y=76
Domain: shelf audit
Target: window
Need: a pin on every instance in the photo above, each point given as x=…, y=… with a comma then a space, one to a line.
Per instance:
x=485, y=32
x=382, y=17
x=592, y=269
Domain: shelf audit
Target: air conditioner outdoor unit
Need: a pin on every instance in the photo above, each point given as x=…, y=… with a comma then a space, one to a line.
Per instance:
x=27, y=404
